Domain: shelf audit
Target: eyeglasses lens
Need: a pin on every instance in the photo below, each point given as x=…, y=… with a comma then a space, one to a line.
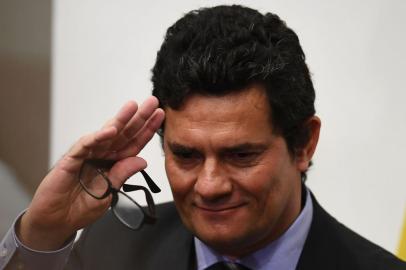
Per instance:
x=128, y=211
x=93, y=181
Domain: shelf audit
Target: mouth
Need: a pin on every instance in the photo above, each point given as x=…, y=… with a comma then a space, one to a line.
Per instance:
x=220, y=208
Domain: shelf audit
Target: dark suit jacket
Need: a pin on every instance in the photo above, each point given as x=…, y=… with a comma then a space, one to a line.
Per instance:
x=107, y=244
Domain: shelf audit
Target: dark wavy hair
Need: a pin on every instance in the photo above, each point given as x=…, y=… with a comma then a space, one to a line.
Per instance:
x=218, y=50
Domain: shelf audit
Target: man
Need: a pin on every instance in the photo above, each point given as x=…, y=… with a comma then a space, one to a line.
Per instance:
x=239, y=134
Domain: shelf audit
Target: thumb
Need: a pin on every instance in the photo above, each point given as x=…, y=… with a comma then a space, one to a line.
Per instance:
x=125, y=168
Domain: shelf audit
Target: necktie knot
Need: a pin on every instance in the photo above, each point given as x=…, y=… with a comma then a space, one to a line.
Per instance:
x=227, y=266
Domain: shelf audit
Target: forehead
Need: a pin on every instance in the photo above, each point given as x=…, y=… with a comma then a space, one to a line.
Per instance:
x=245, y=112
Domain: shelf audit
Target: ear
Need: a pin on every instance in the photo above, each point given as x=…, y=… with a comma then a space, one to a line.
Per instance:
x=304, y=156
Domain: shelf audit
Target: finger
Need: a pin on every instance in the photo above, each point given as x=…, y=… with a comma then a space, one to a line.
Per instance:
x=123, y=116
x=136, y=123
x=143, y=136
x=119, y=121
x=141, y=117
x=124, y=169
x=81, y=150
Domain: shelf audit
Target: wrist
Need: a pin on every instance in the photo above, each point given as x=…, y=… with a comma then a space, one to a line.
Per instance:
x=39, y=238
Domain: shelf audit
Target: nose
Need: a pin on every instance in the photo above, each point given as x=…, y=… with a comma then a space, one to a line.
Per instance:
x=212, y=181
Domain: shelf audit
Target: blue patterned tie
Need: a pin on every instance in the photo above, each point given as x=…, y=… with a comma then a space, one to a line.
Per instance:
x=227, y=266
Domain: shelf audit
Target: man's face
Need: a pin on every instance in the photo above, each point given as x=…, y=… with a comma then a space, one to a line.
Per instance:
x=233, y=180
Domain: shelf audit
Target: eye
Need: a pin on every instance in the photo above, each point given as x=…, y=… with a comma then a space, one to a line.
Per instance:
x=186, y=156
x=183, y=154
x=244, y=155
x=243, y=158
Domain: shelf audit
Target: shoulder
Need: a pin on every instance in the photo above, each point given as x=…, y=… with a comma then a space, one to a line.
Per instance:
x=331, y=245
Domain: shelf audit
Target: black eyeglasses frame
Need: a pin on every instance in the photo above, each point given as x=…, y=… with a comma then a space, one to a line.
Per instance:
x=101, y=165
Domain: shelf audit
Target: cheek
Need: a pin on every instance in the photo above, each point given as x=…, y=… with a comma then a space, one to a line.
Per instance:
x=259, y=180
x=266, y=184
x=180, y=182
x=280, y=189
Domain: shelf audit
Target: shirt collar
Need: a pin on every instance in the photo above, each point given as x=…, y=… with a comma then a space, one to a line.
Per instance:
x=283, y=253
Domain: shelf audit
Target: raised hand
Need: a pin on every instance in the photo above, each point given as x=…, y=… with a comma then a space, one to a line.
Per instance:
x=60, y=206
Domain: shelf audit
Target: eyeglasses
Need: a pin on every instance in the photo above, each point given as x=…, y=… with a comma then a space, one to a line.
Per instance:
x=93, y=179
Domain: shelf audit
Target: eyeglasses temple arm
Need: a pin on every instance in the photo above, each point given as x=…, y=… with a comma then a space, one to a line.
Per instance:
x=151, y=184
x=148, y=197
x=129, y=187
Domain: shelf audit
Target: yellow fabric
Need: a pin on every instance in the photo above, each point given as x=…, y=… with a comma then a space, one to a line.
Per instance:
x=402, y=243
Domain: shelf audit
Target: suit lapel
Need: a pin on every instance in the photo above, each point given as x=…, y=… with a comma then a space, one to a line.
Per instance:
x=318, y=252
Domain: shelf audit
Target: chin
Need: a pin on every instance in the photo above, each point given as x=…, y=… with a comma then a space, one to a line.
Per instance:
x=231, y=246
x=223, y=238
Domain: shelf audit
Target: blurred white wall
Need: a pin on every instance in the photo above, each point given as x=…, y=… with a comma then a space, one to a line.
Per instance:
x=103, y=52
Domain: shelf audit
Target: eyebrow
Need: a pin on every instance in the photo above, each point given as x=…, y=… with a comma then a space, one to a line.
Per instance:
x=245, y=147
x=177, y=147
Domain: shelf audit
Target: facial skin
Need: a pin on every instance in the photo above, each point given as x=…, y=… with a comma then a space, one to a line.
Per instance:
x=234, y=183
